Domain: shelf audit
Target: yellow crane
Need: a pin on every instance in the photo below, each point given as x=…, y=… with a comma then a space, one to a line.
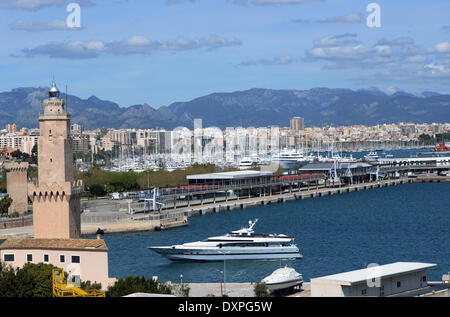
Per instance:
x=62, y=289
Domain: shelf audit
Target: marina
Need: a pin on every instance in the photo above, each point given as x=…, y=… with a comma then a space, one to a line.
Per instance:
x=335, y=233
x=300, y=151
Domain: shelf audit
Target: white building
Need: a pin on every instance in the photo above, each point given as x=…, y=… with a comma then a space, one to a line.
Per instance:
x=382, y=280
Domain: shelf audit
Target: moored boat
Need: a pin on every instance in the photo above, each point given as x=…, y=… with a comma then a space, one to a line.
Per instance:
x=238, y=245
x=283, y=278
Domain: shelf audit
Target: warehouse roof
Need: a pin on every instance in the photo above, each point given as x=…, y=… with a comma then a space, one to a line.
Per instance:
x=326, y=166
x=381, y=271
x=230, y=175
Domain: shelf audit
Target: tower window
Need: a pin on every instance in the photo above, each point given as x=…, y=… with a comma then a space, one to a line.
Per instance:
x=51, y=160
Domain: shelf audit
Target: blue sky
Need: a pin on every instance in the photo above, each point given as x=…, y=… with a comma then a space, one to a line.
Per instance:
x=161, y=51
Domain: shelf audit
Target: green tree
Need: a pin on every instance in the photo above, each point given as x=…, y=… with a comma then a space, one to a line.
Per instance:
x=97, y=190
x=261, y=290
x=2, y=181
x=32, y=280
x=88, y=285
x=5, y=203
x=137, y=284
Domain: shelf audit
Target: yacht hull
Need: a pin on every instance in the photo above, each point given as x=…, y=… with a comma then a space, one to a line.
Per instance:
x=224, y=254
x=290, y=164
x=284, y=285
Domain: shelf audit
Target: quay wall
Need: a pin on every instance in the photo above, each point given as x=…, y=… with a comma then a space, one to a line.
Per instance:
x=208, y=208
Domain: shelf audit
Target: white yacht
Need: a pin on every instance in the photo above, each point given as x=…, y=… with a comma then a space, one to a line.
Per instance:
x=372, y=156
x=288, y=159
x=241, y=244
x=245, y=163
x=283, y=278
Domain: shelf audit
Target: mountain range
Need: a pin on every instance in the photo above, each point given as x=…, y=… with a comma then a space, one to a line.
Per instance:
x=255, y=107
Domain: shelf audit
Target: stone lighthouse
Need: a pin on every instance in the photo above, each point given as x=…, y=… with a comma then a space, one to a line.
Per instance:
x=55, y=197
x=56, y=207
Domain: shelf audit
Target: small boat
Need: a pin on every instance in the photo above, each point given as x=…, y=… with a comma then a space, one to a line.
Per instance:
x=372, y=156
x=442, y=147
x=283, y=278
x=246, y=163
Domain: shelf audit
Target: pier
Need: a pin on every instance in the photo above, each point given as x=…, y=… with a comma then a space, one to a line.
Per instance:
x=209, y=207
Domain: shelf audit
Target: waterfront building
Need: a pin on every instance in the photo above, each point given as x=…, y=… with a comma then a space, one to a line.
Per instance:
x=125, y=138
x=297, y=123
x=347, y=172
x=56, y=206
x=23, y=140
x=11, y=128
x=230, y=178
x=382, y=280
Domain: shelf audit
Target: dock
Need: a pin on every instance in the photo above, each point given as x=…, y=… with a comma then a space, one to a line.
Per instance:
x=209, y=207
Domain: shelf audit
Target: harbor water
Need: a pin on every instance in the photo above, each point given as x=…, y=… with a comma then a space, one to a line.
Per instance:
x=334, y=233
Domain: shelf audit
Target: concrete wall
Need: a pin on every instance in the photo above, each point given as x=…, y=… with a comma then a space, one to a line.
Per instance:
x=93, y=265
x=327, y=288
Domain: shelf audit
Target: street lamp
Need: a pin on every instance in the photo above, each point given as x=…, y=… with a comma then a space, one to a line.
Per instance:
x=224, y=271
x=181, y=285
x=221, y=288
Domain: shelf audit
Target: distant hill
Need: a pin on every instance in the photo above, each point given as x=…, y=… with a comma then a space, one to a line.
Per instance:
x=254, y=107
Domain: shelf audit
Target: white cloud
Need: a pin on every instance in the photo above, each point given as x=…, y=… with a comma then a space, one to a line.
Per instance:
x=136, y=44
x=272, y=2
x=33, y=26
x=283, y=60
x=171, y=2
x=39, y=4
x=436, y=70
x=443, y=47
x=29, y=4
x=416, y=59
x=336, y=40
x=400, y=41
x=341, y=52
x=349, y=18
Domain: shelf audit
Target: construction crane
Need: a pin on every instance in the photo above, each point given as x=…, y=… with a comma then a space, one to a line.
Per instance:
x=62, y=289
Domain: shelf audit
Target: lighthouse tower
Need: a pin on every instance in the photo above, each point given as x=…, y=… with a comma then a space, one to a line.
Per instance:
x=55, y=197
